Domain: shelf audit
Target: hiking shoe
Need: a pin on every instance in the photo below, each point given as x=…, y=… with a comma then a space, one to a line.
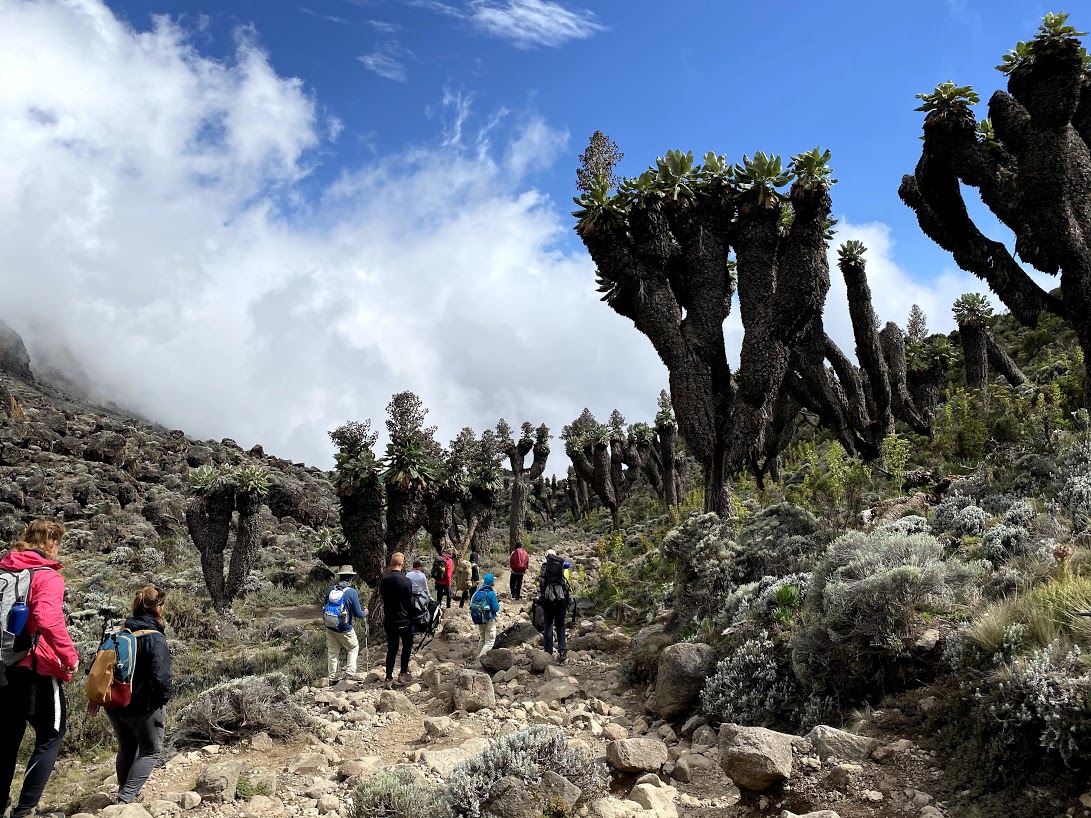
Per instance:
x=562, y=658
x=332, y=680
x=404, y=679
x=352, y=677
x=389, y=684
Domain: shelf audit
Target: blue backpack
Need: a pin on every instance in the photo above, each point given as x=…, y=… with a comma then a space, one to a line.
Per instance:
x=110, y=679
x=480, y=609
x=336, y=612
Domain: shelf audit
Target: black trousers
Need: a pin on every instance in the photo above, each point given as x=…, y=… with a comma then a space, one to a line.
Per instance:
x=516, y=585
x=39, y=701
x=395, y=637
x=443, y=591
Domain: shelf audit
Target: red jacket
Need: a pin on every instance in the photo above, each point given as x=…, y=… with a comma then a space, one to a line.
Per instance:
x=55, y=650
x=450, y=571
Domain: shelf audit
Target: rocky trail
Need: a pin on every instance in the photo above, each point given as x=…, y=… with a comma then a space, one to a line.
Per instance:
x=455, y=705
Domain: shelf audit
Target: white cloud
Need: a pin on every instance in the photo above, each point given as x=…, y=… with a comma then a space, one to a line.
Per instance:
x=387, y=60
x=384, y=27
x=529, y=23
x=152, y=231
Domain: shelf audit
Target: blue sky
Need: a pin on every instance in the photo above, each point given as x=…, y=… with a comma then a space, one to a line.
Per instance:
x=261, y=219
x=700, y=75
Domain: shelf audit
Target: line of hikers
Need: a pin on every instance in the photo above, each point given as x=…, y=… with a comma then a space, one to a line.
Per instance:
x=409, y=610
x=133, y=685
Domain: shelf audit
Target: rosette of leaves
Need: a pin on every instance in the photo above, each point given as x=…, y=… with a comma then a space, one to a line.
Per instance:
x=972, y=309
x=812, y=170
x=202, y=478
x=948, y=99
x=761, y=176
x=409, y=465
x=641, y=433
x=851, y=252
x=354, y=469
x=665, y=415
x=933, y=352
x=253, y=480
x=1052, y=33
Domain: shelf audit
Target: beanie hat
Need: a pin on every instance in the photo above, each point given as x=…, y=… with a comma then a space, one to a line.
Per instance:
x=489, y=579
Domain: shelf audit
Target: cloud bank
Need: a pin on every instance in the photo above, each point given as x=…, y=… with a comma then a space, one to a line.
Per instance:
x=153, y=228
x=155, y=234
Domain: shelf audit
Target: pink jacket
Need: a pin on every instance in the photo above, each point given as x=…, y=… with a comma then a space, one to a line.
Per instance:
x=55, y=650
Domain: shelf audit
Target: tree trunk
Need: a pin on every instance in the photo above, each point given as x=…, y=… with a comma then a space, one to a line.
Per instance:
x=247, y=543
x=893, y=341
x=405, y=515
x=668, y=443
x=868, y=346
x=972, y=335
x=362, y=526
x=1002, y=362
x=208, y=518
x=717, y=498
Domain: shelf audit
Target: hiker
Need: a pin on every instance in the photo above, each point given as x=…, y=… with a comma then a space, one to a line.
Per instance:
x=483, y=610
x=420, y=598
x=396, y=590
x=33, y=693
x=553, y=594
x=341, y=605
x=443, y=569
x=139, y=725
x=518, y=562
x=471, y=578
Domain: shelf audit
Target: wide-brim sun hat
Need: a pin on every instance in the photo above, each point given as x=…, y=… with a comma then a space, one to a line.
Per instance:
x=346, y=571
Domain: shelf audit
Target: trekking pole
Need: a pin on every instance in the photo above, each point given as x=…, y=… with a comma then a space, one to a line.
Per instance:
x=367, y=650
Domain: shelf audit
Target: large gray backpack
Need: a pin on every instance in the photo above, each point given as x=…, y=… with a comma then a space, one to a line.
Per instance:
x=14, y=593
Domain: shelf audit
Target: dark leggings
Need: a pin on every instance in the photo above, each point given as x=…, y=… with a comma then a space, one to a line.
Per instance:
x=443, y=591
x=515, y=584
x=39, y=701
x=395, y=637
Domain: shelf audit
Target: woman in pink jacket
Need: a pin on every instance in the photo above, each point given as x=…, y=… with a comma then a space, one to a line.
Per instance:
x=34, y=694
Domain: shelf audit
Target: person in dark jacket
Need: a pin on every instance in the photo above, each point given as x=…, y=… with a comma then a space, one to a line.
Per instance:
x=140, y=724
x=396, y=589
x=34, y=693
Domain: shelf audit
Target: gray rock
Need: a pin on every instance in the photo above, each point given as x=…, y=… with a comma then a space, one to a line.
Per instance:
x=755, y=758
x=125, y=811
x=557, y=690
x=444, y=761
x=822, y=813
x=14, y=358
x=539, y=661
x=472, y=690
x=636, y=755
x=843, y=776
x=558, y=794
x=218, y=782
x=829, y=742
x=262, y=742
x=683, y=668
x=439, y=726
x=657, y=798
x=497, y=659
x=512, y=799
x=263, y=806
x=163, y=809
x=391, y=701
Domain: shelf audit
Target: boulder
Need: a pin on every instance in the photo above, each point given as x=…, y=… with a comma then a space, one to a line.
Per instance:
x=659, y=799
x=472, y=690
x=96, y=802
x=263, y=806
x=829, y=742
x=512, y=798
x=308, y=763
x=14, y=358
x=755, y=758
x=524, y=633
x=218, y=782
x=822, y=813
x=610, y=807
x=391, y=701
x=497, y=659
x=444, y=761
x=683, y=668
x=163, y=809
x=125, y=811
x=539, y=661
x=559, y=796
x=557, y=690
x=636, y=755
x=439, y=726
x=262, y=742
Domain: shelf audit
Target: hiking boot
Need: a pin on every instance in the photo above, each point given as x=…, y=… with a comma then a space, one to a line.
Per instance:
x=332, y=681
x=404, y=679
x=352, y=678
x=562, y=658
x=389, y=684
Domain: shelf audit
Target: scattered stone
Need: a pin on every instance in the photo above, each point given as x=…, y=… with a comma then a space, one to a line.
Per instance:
x=218, y=782
x=125, y=811
x=444, y=761
x=659, y=799
x=263, y=806
x=308, y=763
x=636, y=755
x=844, y=776
x=558, y=690
x=497, y=659
x=262, y=742
x=539, y=661
x=97, y=801
x=439, y=726
x=391, y=701
x=328, y=803
x=614, y=732
x=883, y=753
x=559, y=795
x=163, y=809
x=512, y=798
x=683, y=668
x=822, y=813
x=754, y=757
x=829, y=742
x=472, y=690
x=872, y=795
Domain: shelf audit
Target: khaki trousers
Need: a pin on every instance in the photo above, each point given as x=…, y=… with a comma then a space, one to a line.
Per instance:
x=335, y=643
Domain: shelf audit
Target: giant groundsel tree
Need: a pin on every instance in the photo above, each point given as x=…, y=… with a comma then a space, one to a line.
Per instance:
x=1030, y=161
x=670, y=247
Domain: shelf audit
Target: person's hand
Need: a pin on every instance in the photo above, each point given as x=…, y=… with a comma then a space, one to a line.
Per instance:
x=73, y=668
x=365, y=611
x=92, y=709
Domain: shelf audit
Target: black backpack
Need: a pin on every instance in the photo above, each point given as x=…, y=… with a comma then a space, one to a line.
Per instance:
x=554, y=587
x=439, y=569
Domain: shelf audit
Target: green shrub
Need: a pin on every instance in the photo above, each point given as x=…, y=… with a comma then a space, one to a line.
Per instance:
x=189, y=616
x=526, y=755
x=779, y=540
x=238, y=709
x=864, y=610
x=397, y=794
x=754, y=685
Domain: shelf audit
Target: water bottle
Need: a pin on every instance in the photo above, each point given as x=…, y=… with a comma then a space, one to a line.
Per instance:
x=17, y=618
